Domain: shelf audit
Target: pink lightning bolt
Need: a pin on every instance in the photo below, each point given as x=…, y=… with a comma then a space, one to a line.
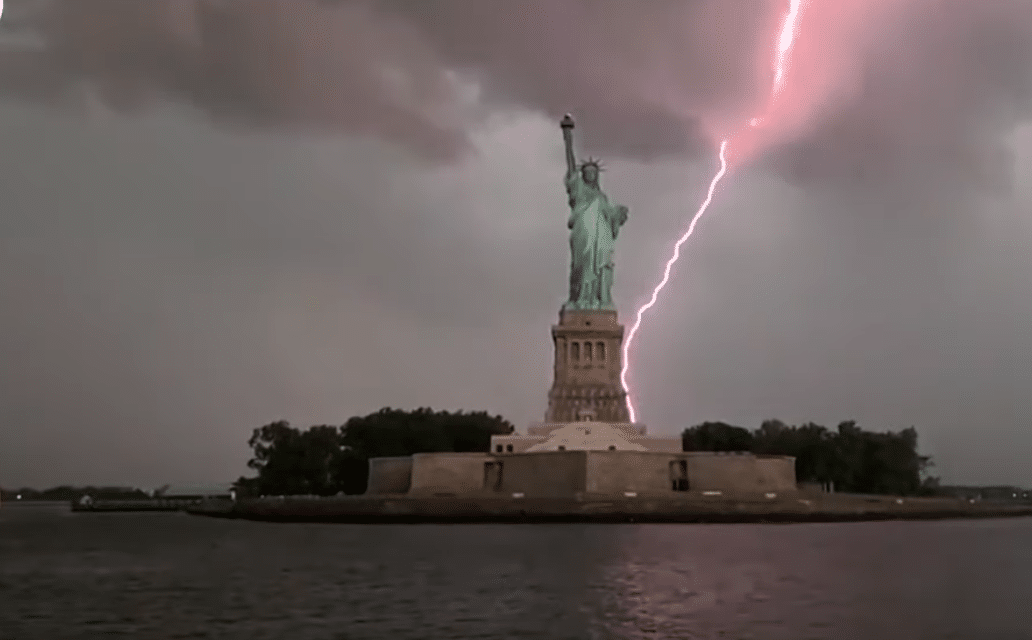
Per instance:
x=789, y=28
x=786, y=38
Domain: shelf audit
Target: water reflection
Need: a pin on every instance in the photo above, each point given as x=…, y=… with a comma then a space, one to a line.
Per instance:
x=170, y=575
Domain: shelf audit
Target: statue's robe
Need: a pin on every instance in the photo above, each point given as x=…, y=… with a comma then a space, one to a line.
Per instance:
x=593, y=224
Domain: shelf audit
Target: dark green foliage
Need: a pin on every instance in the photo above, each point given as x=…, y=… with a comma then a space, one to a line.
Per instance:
x=716, y=436
x=853, y=460
x=293, y=462
x=326, y=460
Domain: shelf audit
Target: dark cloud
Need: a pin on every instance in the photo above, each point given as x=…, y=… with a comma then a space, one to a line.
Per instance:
x=635, y=74
x=919, y=91
x=932, y=102
x=167, y=286
x=268, y=63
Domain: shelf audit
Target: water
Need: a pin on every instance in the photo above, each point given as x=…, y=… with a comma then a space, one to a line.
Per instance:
x=169, y=575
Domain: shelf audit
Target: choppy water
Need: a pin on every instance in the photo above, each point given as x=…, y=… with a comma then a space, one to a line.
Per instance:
x=159, y=575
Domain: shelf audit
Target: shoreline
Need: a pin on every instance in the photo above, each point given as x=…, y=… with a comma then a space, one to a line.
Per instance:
x=602, y=509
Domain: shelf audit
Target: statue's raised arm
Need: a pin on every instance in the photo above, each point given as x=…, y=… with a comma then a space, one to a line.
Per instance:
x=567, y=126
x=594, y=223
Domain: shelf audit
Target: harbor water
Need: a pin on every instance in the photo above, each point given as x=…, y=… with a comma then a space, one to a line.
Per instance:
x=171, y=575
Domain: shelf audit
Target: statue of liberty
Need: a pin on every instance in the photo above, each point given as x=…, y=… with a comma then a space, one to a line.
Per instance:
x=594, y=224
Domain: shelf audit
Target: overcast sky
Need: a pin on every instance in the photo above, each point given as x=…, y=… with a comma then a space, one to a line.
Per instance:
x=216, y=214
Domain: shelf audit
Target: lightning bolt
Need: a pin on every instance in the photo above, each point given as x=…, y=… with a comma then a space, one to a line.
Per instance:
x=666, y=272
x=786, y=38
x=789, y=29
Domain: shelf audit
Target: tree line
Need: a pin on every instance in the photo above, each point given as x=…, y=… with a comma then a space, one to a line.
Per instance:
x=848, y=458
x=326, y=460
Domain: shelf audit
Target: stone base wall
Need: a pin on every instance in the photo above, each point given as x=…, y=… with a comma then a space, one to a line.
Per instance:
x=389, y=475
x=740, y=473
x=570, y=473
x=448, y=473
x=552, y=474
x=615, y=472
x=628, y=429
x=521, y=443
x=664, y=445
x=518, y=443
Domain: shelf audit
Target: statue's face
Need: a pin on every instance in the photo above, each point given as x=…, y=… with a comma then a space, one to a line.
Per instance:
x=590, y=173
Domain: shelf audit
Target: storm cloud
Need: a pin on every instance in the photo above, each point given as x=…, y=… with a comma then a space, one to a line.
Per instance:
x=217, y=213
x=874, y=85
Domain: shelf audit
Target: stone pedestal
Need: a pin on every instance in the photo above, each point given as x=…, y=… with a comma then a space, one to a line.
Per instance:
x=588, y=358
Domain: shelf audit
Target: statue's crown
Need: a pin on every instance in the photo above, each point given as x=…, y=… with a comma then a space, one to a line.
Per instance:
x=592, y=162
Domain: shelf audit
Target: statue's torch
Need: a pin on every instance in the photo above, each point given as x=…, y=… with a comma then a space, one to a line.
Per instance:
x=567, y=126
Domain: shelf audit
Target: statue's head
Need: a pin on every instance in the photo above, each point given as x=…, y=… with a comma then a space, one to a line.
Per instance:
x=590, y=171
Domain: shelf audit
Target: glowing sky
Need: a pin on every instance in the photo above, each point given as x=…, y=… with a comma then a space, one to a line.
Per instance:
x=786, y=37
x=307, y=210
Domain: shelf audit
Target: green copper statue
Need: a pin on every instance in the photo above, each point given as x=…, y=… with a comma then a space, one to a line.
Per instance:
x=594, y=224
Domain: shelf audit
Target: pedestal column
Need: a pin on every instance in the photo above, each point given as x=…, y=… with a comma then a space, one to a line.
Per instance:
x=588, y=359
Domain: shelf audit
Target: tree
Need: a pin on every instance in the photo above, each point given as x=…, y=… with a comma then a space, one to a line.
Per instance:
x=326, y=460
x=716, y=436
x=814, y=452
x=774, y=437
x=291, y=462
x=855, y=460
x=393, y=432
